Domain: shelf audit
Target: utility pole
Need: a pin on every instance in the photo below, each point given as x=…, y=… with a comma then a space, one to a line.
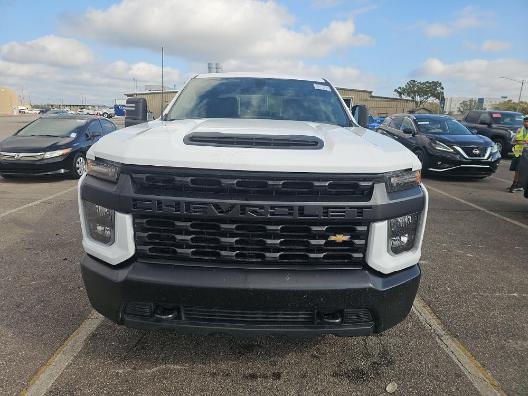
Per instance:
x=161, y=109
x=520, y=92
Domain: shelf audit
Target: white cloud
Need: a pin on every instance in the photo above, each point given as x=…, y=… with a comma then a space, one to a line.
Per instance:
x=213, y=29
x=467, y=18
x=46, y=78
x=476, y=77
x=49, y=50
x=343, y=76
x=495, y=46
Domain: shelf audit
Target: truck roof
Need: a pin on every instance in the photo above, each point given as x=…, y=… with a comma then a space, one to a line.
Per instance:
x=256, y=75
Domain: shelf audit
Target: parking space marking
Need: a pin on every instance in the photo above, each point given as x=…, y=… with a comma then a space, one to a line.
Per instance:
x=517, y=223
x=477, y=374
x=37, y=202
x=49, y=372
x=501, y=179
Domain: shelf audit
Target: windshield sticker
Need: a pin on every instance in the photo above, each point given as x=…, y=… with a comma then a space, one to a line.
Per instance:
x=496, y=115
x=423, y=122
x=322, y=87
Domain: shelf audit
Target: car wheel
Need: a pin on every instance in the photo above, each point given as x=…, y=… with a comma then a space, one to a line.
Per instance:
x=500, y=145
x=78, y=166
x=105, y=115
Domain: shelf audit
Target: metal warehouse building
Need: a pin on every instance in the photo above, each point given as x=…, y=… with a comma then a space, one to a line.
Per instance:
x=8, y=101
x=377, y=105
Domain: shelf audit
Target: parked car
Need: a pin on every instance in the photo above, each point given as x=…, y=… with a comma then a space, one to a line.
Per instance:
x=54, y=144
x=374, y=122
x=500, y=126
x=256, y=205
x=105, y=112
x=443, y=145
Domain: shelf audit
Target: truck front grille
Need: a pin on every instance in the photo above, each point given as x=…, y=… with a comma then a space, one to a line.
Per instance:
x=260, y=186
x=243, y=242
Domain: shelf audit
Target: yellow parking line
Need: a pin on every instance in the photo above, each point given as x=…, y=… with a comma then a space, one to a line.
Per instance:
x=477, y=374
x=53, y=368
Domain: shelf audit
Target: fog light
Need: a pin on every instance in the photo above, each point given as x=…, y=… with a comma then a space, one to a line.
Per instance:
x=402, y=232
x=99, y=222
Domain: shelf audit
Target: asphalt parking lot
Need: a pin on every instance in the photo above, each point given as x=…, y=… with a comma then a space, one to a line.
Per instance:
x=468, y=333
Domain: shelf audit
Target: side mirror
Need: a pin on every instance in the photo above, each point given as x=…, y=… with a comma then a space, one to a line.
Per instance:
x=408, y=131
x=136, y=111
x=360, y=113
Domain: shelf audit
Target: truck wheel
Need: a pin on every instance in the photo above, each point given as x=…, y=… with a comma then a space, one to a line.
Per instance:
x=105, y=115
x=78, y=166
x=500, y=145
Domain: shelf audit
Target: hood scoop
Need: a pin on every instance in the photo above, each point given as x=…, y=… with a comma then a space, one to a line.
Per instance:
x=290, y=142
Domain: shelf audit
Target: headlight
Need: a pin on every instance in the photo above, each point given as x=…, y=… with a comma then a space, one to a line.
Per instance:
x=100, y=222
x=402, y=233
x=402, y=180
x=512, y=134
x=494, y=148
x=440, y=146
x=57, y=153
x=103, y=169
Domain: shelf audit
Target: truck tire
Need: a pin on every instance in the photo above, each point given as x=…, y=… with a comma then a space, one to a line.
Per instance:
x=105, y=115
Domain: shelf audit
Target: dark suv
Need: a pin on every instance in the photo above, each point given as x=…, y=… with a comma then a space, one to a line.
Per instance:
x=499, y=126
x=443, y=145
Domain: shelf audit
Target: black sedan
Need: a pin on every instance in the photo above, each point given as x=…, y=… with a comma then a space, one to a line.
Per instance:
x=443, y=145
x=52, y=145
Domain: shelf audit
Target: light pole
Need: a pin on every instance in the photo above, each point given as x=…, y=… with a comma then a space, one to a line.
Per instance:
x=520, y=92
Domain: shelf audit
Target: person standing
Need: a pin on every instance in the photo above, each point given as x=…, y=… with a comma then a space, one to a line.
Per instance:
x=520, y=143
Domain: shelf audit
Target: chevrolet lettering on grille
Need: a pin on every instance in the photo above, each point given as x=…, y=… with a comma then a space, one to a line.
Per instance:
x=237, y=210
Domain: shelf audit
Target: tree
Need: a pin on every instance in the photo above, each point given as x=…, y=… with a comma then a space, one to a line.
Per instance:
x=512, y=106
x=421, y=91
x=470, y=104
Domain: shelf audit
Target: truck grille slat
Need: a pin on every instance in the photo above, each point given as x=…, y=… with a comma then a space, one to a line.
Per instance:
x=272, y=242
x=261, y=186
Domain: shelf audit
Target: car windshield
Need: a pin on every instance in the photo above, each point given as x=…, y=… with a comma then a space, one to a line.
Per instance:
x=508, y=119
x=441, y=126
x=52, y=127
x=259, y=98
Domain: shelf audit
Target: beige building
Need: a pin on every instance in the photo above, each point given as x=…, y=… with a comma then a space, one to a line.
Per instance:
x=377, y=105
x=8, y=101
x=154, y=99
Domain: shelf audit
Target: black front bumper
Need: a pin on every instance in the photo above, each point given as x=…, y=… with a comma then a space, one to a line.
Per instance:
x=454, y=165
x=142, y=295
x=50, y=166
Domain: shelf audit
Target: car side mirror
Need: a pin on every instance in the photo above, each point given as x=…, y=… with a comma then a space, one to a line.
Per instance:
x=135, y=111
x=408, y=131
x=360, y=113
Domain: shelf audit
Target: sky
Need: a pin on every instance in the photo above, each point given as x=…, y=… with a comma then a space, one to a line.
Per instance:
x=93, y=51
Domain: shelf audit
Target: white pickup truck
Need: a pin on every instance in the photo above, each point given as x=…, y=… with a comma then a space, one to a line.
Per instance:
x=256, y=204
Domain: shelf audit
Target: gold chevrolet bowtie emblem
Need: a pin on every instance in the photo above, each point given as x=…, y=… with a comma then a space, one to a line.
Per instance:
x=338, y=238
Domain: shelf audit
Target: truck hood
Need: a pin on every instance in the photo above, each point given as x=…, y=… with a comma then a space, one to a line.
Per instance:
x=346, y=150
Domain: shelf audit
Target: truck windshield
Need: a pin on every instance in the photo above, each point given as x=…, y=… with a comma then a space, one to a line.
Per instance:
x=259, y=98
x=441, y=126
